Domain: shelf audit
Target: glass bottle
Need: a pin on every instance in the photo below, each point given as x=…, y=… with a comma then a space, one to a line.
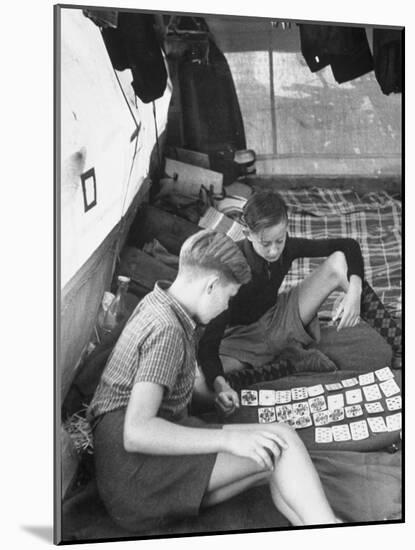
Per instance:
x=117, y=310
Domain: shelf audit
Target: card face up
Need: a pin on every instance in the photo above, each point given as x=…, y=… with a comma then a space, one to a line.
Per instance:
x=336, y=415
x=389, y=387
x=317, y=403
x=353, y=410
x=354, y=396
x=303, y=421
x=384, y=374
x=282, y=396
x=267, y=398
x=284, y=413
x=249, y=398
x=335, y=401
x=365, y=379
x=376, y=407
x=301, y=408
x=341, y=432
x=334, y=387
x=359, y=430
x=315, y=390
x=372, y=393
x=377, y=424
x=394, y=403
x=321, y=418
x=394, y=422
x=299, y=394
x=266, y=415
x=350, y=382
x=324, y=435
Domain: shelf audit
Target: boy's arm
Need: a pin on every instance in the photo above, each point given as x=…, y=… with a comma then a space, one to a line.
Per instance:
x=144, y=432
x=208, y=357
x=350, y=305
x=208, y=349
x=322, y=248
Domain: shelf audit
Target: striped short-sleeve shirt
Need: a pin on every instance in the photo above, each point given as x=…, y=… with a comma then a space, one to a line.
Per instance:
x=158, y=344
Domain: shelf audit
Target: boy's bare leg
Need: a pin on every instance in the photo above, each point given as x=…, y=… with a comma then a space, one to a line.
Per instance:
x=315, y=288
x=295, y=487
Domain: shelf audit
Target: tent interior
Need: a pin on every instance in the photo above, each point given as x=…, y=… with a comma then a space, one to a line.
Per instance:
x=166, y=124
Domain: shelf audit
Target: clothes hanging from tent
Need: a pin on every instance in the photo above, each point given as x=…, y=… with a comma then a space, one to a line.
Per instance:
x=388, y=62
x=212, y=119
x=134, y=45
x=345, y=49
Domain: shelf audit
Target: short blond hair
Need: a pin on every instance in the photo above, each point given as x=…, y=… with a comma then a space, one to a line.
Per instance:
x=209, y=250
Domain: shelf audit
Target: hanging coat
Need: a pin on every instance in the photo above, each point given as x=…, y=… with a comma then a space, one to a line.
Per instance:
x=345, y=49
x=388, y=61
x=134, y=45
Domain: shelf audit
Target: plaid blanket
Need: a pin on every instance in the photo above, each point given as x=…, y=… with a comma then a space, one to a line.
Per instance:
x=373, y=219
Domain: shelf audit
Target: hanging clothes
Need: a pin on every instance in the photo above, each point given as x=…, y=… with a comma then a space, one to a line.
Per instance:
x=212, y=119
x=134, y=45
x=345, y=49
x=388, y=60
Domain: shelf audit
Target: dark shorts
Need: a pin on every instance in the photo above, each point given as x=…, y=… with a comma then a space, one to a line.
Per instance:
x=141, y=491
x=260, y=342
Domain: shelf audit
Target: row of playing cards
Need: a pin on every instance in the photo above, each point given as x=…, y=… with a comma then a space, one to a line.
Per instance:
x=371, y=393
x=371, y=384
x=359, y=429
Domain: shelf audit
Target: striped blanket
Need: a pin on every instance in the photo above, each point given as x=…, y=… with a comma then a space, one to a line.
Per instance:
x=373, y=219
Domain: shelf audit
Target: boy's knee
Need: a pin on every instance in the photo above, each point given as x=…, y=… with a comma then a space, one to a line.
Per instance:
x=337, y=265
x=288, y=434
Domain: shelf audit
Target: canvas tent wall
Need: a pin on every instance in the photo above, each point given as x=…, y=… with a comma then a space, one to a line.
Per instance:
x=105, y=141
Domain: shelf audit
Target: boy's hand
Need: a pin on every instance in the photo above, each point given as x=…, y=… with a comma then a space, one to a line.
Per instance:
x=226, y=398
x=261, y=446
x=349, y=309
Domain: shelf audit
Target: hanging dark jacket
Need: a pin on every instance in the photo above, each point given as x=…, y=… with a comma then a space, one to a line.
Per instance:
x=388, y=60
x=134, y=45
x=345, y=49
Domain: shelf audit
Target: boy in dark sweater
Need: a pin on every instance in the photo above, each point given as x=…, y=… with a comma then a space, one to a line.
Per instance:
x=259, y=322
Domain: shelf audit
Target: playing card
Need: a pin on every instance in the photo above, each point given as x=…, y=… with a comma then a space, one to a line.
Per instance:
x=353, y=410
x=321, y=418
x=354, y=396
x=384, y=374
x=377, y=424
x=315, y=390
x=267, y=397
x=284, y=413
x=365, y=379
x=394, y=422
x=249, y=398
x=389, y=387
x=324, y=435
x=301, y=408
x=394, y=403
x=372, y=393
x=336, y=415
x=266, y=415
x=359, y=430
x=303, y=421
x=299, y=393
x=341, y=432
x=317, y=403
x=376, y=407
x=282, y=396
x=334, y=387
x=335, y=401
x=350, y=382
